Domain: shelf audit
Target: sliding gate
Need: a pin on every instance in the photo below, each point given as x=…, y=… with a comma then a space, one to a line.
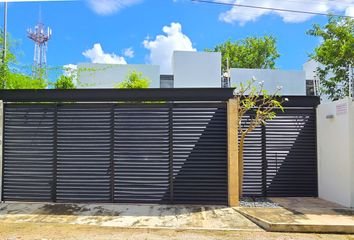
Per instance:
x=136, y=153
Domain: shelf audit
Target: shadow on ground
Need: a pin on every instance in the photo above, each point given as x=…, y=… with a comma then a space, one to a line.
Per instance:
x=103, y=209
x=128, y=215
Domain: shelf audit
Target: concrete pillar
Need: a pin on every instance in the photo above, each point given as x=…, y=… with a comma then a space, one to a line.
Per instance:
x=232, y=155
x=335, y=142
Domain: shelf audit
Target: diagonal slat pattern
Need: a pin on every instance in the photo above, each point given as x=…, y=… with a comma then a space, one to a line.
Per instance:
x=200, y=154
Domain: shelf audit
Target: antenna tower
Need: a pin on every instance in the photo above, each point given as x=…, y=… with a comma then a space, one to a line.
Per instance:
x=40, y=35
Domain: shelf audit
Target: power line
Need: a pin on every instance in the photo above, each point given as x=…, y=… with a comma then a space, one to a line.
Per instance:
x=313, y=2
x=269, y=8
x=333, y=1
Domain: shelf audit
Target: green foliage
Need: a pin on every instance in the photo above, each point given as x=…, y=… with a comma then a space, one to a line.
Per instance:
x=4, y=63
x=40, y=72
x=134, y=80
x=10, y=79
x=4, y=72
x=260, y=102
x=20, y=81
x=64, y=82
x=11, y=47
x=251, y=52
x=336, y=54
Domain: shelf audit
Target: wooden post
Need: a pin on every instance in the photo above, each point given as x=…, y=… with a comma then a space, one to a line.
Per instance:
x=232, y=154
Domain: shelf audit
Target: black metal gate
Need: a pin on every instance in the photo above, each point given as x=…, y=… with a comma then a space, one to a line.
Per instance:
x=149, y=153
x=281, y=157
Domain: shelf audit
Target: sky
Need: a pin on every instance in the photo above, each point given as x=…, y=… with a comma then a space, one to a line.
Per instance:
x=147, y=31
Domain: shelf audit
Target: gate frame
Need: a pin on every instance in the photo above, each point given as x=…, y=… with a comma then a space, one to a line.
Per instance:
x=1, y=147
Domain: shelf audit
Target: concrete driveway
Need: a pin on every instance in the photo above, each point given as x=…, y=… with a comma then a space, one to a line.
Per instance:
x=301, y=214
x=178, y=217
x=36, y=221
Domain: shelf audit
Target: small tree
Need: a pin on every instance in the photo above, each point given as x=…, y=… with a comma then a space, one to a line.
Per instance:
x=134, y=80
x=64, y=82
x=261, y=106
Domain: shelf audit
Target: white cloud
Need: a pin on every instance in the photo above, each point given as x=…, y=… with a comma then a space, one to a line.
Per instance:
x=161, y=49
x=129, y=52
x=243, y=15
x=107, y=7
x=97, y=55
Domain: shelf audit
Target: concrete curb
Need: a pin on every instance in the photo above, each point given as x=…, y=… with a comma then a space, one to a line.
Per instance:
x=298, y=228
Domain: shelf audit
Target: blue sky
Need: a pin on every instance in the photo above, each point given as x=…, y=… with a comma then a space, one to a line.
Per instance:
x=78, y=25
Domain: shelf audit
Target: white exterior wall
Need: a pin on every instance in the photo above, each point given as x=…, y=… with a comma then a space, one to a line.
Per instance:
x=310, y=68
x=196, y=69
x=293, y=82
x=108, y=75
x=335, y=139
x=351, y=149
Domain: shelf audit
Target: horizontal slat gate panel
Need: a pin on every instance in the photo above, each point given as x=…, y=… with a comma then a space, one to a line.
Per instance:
x=28, y=152
x=141, y=154
x=291, y=154
x=200, y=154
x=253, y=162
x=83, y=153
x=141, y=137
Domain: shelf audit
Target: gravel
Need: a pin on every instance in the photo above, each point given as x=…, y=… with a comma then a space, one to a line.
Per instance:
x=257, y=202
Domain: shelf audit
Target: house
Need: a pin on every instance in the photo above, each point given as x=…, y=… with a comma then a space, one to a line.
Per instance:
x=189, y=69
x=310, y=68
x=93, y=75
x=198, y=69
x=292, y=82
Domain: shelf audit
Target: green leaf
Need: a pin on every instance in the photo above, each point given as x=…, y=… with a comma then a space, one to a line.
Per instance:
x=64, y=82
x=251, y=52
x=335, y=54
x=134, y=80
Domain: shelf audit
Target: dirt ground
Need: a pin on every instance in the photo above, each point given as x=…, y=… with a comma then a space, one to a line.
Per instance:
x=31, y=231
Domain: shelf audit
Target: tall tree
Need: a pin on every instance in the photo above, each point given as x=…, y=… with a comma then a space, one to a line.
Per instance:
x=251, y=52
x=134, y=80
x=335, y=54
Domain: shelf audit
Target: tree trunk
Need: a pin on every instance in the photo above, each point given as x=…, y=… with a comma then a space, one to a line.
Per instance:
x=240, y=163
